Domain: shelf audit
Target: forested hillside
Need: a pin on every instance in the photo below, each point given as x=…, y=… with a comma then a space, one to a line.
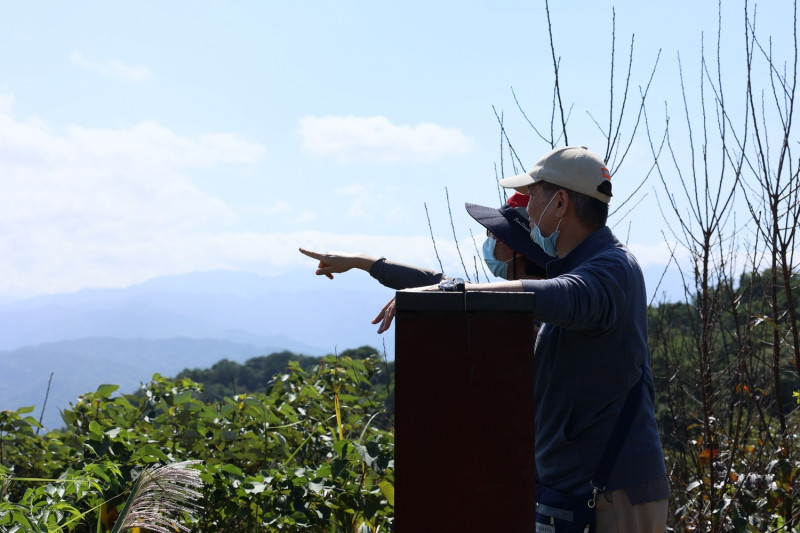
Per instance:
x=228, y=378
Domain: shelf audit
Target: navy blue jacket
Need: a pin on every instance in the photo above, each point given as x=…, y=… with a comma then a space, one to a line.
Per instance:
x=590, y=352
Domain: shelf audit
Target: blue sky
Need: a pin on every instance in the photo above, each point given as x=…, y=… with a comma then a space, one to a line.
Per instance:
x=152, y=138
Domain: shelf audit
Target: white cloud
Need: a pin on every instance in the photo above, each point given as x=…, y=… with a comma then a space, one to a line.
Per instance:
x=84, y=207
x=88, y=207
x=112, y=68
x=54, y=265
x=350, y=138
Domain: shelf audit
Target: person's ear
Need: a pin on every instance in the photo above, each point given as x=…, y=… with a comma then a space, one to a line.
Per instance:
x=562, y=201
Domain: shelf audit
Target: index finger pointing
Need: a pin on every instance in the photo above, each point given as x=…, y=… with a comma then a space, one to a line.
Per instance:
x=309, y=253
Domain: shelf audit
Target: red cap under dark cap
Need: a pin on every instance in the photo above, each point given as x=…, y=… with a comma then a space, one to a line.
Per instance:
x=518, y=200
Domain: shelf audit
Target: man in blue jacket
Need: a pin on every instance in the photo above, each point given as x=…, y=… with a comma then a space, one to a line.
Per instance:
x=592, y=349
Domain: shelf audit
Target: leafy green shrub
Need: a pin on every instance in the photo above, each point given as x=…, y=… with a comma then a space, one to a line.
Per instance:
x=306, y=454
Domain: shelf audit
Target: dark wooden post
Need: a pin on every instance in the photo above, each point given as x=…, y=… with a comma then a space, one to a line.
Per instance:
x=464, y=412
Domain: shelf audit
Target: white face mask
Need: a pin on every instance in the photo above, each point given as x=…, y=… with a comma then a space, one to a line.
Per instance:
x=548, y=244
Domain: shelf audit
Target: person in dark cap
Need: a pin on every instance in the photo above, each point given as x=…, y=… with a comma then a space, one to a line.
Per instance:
x=508, y=251
x=597, y=441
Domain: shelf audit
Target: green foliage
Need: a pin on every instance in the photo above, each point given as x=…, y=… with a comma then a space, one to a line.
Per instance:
x=755, y=486
x=725, y=406
x=307, y=443
x=304, y=454
x=228, y=378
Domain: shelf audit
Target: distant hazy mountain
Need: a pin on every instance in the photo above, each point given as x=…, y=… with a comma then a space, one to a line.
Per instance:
x=300, y=313
x=123, y=336
x=80, y=366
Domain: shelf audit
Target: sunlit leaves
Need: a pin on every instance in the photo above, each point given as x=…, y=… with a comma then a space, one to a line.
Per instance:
x=269, y=461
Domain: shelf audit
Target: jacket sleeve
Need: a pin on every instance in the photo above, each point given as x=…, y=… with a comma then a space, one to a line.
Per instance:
x=590, y=298
x=399, y=276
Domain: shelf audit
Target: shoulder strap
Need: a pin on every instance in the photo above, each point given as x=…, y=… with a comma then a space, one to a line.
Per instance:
x=618, y=434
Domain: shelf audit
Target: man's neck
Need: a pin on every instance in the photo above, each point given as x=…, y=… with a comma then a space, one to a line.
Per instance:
x=571, y=236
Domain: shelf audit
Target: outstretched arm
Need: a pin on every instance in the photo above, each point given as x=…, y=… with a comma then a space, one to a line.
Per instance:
x=331, y=263
x=388, y=273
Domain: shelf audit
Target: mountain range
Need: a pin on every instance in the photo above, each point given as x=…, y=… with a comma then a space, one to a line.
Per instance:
x=78, y=341
x=123, y=336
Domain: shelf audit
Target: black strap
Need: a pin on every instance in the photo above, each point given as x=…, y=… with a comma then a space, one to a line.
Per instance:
x=618, y=434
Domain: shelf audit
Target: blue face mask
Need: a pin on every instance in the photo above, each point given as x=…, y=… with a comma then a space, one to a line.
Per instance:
x=498, y=268
x=548, y=244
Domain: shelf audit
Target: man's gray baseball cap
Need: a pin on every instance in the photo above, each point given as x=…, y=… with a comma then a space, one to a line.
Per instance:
x=572, y=167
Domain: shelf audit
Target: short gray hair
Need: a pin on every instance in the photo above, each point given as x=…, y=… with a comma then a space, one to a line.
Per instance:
x=591, y=211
